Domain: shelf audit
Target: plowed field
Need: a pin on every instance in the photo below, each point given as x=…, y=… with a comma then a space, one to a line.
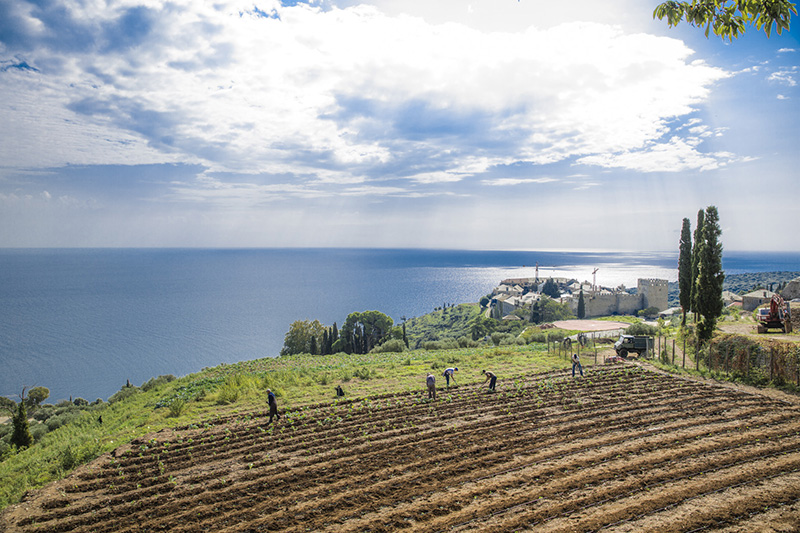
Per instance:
x=623, y=449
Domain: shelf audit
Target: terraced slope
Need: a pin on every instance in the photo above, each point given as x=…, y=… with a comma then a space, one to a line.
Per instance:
x=622, y=450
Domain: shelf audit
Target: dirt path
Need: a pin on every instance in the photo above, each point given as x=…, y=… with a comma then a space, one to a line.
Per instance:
x=590, y=325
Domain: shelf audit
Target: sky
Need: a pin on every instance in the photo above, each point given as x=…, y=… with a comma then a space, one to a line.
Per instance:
x=486, y=124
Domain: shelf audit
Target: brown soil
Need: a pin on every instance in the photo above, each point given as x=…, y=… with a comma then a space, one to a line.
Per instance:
x=624, y=449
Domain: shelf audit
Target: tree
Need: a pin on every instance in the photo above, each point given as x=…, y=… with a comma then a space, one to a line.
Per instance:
x=299, y=337
x=21, y=434
x=37, y=395
x=685, y=268
x=550, y=288
x=728, y=18
x=710, y=276
x=581, y=306
x=363, y=331
x=698, y=231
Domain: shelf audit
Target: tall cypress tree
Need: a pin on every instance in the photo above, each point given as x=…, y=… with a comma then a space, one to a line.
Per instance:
x=698, y=241
x=21, y=435
x=710, y=276
x=581, y=306
x=685, y=279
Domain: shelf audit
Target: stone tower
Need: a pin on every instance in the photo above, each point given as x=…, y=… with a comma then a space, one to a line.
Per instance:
x=653, y=293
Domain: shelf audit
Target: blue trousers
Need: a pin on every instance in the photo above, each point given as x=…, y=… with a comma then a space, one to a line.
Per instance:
x=579, y=368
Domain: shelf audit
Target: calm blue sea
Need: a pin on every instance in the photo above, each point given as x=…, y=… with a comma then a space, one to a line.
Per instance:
x=83, y=321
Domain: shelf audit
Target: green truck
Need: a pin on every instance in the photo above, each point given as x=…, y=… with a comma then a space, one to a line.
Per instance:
x=641, y=345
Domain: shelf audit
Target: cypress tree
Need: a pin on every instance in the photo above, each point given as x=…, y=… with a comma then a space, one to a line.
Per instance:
x=710, y=276
x=581, y=306
x=698, y=241
x=405, y=339
x=21, y=435
x=685, y=279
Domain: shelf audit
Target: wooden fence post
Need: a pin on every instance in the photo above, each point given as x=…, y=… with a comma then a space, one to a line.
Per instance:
x=697, y=353
x=684, y=352
x=673, y=352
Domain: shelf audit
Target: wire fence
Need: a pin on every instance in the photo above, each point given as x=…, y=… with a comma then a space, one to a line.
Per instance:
x=777, y=363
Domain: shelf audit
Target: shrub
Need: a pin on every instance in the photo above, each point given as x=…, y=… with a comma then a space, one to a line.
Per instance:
x=80, y=402
x=152, y=383
x=38, y=431
x=227, y=394
x=444, y=344
x=641, y=328
x=392, y=345
x=503, y=339
x=364, y=373
x=466, y=342
x=124, y=392
x=177, y=407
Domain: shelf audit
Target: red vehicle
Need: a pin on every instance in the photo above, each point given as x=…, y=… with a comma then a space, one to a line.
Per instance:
x=776, y=316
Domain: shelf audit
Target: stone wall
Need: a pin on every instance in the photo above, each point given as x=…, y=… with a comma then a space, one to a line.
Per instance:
x=654, y=293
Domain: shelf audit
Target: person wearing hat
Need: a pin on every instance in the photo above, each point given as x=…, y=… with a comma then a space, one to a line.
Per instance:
x=450, y=373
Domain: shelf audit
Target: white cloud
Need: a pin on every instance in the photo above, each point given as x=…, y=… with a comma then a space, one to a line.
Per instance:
x=784, y=77
x=347, y=92
x=675, y=156
x=786, y=50
x=505, y=182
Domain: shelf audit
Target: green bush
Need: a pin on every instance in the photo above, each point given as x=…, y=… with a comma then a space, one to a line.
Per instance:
x=228, y=393
x=80, y=402
x=392, y=345
x=642, y=329
x=466, y=342
x=503, y=339
x=152, y=383
x=124, y=392
x=177, y=407
x=443, y=344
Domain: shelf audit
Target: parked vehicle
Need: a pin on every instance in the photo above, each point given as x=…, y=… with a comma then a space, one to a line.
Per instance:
x=776, y=316
x=641, y=345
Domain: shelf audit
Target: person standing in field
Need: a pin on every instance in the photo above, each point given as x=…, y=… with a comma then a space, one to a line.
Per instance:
x=431, y=382
x=450, y=373
x=491, y=378
x=576, y=362
x=273, y=406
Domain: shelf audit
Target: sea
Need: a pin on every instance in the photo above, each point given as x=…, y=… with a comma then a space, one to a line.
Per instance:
x=84, y=322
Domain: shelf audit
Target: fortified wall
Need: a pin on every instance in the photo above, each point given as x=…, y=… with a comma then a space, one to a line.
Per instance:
x=650, y=293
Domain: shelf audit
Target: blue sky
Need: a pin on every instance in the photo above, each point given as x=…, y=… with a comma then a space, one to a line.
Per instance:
x=496, y=124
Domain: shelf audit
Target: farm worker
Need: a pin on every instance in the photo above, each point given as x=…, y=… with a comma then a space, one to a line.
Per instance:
x=450, y=373
x=491, y=378
x=576, y=362
x=339, y=390
x=273, y=406
x=431, y=382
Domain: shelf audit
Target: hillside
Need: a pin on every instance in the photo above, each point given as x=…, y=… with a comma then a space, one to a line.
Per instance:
x=226, y=390
x=625, y=448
